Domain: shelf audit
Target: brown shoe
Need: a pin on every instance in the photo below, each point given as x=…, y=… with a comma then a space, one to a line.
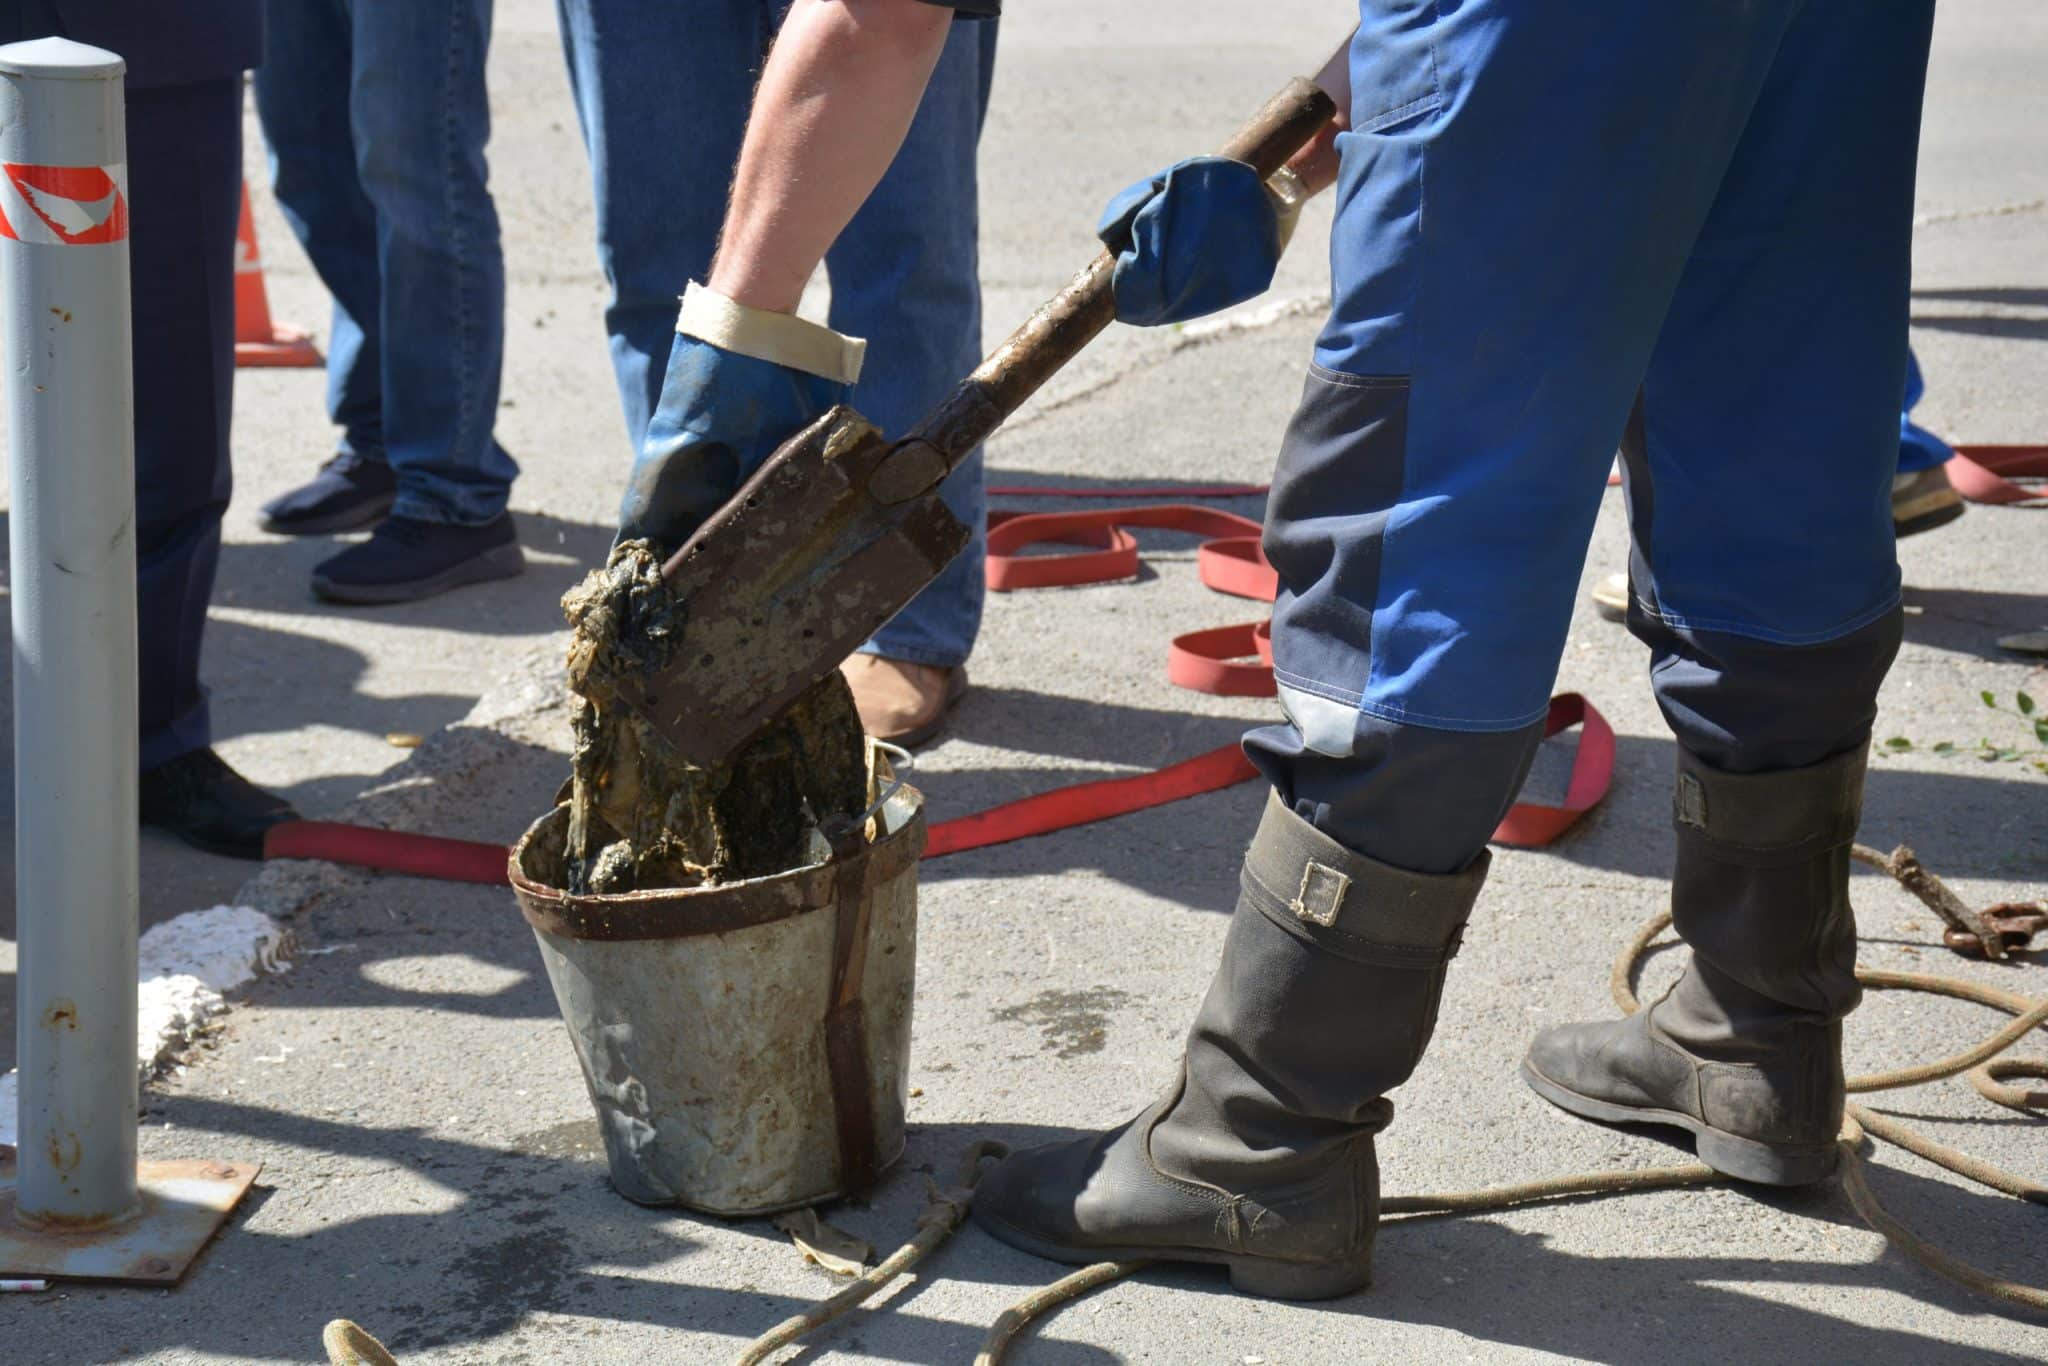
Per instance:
x=1922, y=501
x=1610, y=597
x=901, y=702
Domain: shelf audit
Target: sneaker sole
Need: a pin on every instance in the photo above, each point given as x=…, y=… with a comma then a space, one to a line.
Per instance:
x=1745, y=1159
x=355, y=519
x=500, y=562
x=1264, y=1277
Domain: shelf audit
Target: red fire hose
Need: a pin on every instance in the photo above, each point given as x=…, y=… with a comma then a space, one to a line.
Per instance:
x=1234, y=661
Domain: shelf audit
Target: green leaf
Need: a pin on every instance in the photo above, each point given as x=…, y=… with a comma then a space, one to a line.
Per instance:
x=1989, y=700
x=2026, y=703
x=1898, y=742
x=1949, y=747
x=2006, y=756
x=2041, y=731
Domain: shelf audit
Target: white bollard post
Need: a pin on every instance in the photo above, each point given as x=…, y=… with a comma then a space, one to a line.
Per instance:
x=70, y=423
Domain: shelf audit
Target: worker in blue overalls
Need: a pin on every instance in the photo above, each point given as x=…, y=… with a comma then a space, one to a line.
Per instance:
x=1681, y=230
x=184, y=127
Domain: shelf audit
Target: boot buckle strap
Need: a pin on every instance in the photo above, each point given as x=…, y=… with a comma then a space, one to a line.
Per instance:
x=1321, y=896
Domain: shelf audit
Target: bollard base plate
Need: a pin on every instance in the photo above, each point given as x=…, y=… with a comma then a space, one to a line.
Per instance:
x=183, y=1206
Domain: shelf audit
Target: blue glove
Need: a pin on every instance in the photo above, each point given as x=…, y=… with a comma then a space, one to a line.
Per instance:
x=722, y=414
x=1200, y=237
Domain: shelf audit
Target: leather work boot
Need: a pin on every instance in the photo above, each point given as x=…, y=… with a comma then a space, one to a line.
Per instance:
x=1260, y=1158
x=901, y=702
x=202, y=800
x=1746, y=1050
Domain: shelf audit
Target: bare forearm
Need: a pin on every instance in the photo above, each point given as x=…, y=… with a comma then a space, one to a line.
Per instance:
x=1316, y=163
x=835, y=103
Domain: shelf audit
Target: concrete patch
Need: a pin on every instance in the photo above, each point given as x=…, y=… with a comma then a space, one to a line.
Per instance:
x=183, y=968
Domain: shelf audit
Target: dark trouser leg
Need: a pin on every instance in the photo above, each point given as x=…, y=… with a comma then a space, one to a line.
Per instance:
x=1771, y=621
x=185, y=167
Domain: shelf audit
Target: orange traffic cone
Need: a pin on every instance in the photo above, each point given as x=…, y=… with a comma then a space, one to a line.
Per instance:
x=258, y=340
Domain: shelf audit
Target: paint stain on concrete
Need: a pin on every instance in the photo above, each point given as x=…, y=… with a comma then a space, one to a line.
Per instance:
x=1072, y=1023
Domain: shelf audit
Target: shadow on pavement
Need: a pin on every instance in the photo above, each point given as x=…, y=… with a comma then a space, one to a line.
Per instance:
x=2017, y=296
x=525, y=1231
x=274, y=575
x=1969, y=819
x=1970, y=621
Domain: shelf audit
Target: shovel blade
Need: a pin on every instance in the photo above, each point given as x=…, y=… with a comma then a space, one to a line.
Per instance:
x=786, y=581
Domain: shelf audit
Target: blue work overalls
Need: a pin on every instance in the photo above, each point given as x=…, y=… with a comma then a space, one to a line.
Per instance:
x=1682, y=229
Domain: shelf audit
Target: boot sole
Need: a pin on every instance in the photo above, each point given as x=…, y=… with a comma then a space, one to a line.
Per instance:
x=1918, y=519
x=500, y=562
x=1266, y=1278
x=1745, y=1159
x=354, y=518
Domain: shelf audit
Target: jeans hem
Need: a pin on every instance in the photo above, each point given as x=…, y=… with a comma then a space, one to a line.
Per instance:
x=417, y=509
x=931, y=659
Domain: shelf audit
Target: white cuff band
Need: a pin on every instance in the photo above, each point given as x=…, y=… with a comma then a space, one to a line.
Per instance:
x=778, y=338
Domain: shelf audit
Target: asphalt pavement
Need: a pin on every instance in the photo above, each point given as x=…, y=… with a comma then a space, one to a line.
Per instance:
x=430, y=1167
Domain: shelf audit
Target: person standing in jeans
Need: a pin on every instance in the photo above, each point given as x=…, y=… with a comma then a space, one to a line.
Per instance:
x=662, y=92
x=376, y=116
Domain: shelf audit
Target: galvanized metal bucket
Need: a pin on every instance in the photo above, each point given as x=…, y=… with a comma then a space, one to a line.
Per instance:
x=746, y=1045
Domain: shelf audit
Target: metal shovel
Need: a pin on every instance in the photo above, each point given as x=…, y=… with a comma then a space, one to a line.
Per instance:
x=842, y=527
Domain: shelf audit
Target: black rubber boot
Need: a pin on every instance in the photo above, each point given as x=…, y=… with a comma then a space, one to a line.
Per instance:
x=1746, y=1050
x=1261, y=1156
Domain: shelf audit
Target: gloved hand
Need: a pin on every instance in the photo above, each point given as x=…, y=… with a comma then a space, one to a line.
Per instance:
x=740, y=382
x=1199, y=237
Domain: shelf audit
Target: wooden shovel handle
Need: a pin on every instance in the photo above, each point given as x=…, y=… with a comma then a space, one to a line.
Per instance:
x=1057, y=332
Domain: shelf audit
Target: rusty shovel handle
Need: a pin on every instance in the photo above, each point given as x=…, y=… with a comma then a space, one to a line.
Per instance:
x=1057, y=332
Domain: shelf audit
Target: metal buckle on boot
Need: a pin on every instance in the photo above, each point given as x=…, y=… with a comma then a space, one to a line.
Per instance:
x=1321, y=895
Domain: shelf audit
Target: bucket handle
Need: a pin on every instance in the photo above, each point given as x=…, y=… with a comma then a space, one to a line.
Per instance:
x=901, y=762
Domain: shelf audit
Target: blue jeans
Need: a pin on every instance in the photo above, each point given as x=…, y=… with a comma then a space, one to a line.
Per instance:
x=376, y=117
x=1722, y=226
x=1919, y=449
x=662, y=91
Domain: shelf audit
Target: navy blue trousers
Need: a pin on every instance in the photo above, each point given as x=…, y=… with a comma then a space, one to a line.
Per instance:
x=184, y=186
x=1551, y=217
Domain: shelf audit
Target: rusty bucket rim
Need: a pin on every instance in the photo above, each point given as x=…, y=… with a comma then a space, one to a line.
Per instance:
x=690, y=912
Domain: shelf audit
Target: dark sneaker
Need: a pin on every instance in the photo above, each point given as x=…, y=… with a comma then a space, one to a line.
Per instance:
x=406, y=559
x=350, y=492
x=205, y=803
x=1922, y=501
